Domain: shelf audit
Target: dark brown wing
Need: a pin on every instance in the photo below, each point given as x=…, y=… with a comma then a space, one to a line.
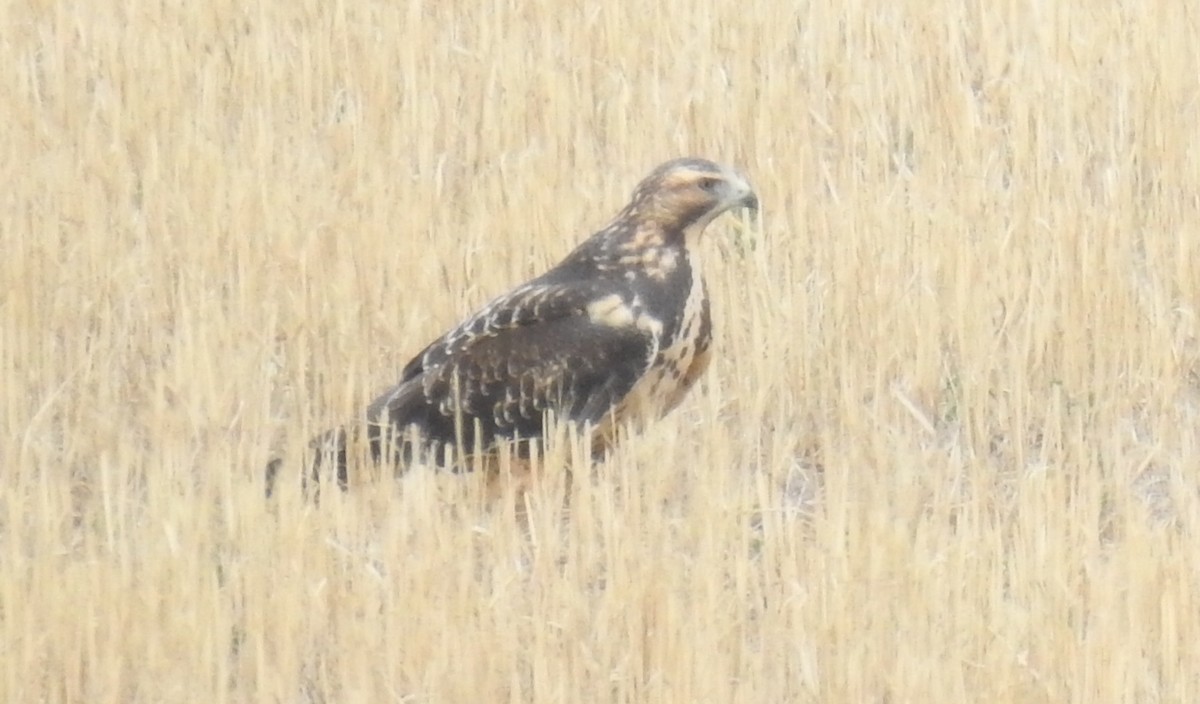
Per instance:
x=496, y=375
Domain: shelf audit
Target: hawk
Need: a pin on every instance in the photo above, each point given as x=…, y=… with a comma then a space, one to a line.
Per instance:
x=616, y=332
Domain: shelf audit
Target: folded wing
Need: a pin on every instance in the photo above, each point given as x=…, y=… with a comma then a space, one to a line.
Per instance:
x=540, y=349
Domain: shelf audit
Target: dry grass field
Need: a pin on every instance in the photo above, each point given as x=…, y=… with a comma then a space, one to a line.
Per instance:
x=948, y=450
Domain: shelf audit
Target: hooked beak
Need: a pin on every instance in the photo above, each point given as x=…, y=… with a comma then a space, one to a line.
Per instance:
x=740, y=194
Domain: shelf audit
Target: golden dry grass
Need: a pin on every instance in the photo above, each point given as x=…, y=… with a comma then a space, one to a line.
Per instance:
x=948, y=451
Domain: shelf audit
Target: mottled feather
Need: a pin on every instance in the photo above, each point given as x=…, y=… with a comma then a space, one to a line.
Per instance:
x=532, y=351
x=620, y=329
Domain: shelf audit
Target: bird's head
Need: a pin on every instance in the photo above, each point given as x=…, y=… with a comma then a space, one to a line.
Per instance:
x=685, y=195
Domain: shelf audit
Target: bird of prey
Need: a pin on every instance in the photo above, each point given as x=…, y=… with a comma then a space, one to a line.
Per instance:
x=615, y=333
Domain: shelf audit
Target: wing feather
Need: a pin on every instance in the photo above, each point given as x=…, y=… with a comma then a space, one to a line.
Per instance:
x=532, y=351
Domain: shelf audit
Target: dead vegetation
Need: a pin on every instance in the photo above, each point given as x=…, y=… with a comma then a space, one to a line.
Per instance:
x=947, y=451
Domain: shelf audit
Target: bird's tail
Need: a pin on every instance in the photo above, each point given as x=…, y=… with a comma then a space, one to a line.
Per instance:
x=329, y=451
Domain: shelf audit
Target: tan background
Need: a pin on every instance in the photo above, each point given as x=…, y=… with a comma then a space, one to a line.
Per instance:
x=947, y=451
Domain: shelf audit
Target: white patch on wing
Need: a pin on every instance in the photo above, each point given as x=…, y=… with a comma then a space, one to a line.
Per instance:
x=615, y=312
x=661, y=264
x=612, y=311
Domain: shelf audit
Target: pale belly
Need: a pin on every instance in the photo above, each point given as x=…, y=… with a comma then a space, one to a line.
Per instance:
x=675, y=370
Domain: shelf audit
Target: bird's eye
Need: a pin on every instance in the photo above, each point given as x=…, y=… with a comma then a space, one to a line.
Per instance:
x=709, y=184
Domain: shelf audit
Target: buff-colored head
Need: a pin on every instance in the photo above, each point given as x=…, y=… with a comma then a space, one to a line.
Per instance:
x=685, y=195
